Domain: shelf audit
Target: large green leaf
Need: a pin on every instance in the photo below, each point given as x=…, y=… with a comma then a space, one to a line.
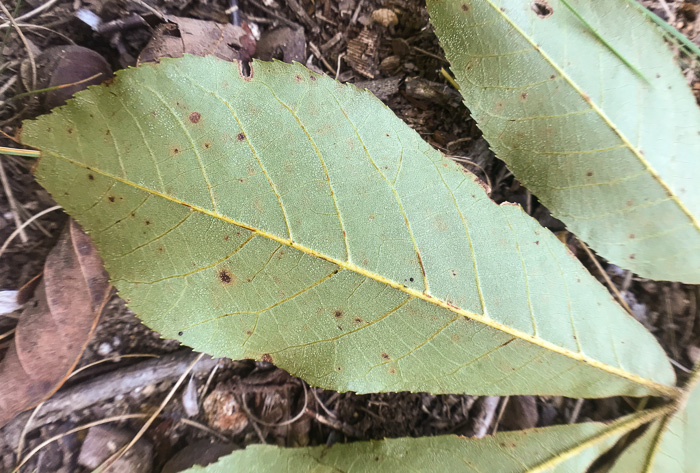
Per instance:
x=583, y=101
x=670, y=444
x=289, y=218
x=561, y=449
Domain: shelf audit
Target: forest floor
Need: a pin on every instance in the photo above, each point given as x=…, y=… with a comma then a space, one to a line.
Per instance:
x=225, y=404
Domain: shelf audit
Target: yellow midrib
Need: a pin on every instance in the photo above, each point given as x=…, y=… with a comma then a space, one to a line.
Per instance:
x=647, y=165
x=621, y=429
x=652, y=385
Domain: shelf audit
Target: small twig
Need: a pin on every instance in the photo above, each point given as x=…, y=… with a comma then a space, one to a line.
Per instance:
x=428, y=53
x=500, y=415
x=31, y=14
x=72, y=431
x=278, y=424
x=110, y=461
x=24, y=225
x=607, y=279
x=112, y=358
x=275, y=14
x=353, y=20
x=317, y=52
x=337, y=69
x=13, y=205
x=348, y=430
x=251, y=418
x=205, y=428
x=30, y=54
x=577, y=410
x=323, y=406
x=25, y=430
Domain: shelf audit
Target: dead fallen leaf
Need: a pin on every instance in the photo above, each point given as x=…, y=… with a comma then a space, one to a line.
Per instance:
x=179, y=36
x=54, y=328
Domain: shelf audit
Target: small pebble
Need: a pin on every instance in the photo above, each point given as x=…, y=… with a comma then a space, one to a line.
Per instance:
x=104, y=349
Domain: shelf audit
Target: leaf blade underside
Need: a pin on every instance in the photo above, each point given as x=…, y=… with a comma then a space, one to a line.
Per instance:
x=225, y=209
x=568, y=448
x=595, y=119
x=670, y=444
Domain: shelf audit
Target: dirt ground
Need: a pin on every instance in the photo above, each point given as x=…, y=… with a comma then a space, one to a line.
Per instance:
x=234, y=404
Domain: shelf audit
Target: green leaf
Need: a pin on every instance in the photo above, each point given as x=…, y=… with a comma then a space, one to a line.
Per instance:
x=670, y=444
x=563, y=449
x=289, y=218
x=585, y=104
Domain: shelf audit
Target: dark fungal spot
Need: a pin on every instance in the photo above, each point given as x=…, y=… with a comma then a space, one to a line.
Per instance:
x=358, y=320
x=225, y=277
x=69, y=131
x=633, y=256
x=298, y=78
x=195, y=117
x=410, y=279
x=91, y=177
x=523, y=95
x=179, y=334
x=589, y=173
x=147, y=222
x=542, y=8
x=111, y=198
x=553, y=77
x=240, y=137
x=465, y=7
x=385, y=356
x=207, y=145
x=338, y=314
x=313, y=78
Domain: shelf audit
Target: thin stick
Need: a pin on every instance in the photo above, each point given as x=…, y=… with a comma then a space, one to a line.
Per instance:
x=110, y=461
x=16, y=232
x=24, y=41
x=32, y=13
x=23, y=434
x=13, y=205
x=55, y=87
x=501, y=411
x=112, y=358
x=205, y=428
x=577, y=410
x=607, y=279
x=72, y=431
x=286, y=422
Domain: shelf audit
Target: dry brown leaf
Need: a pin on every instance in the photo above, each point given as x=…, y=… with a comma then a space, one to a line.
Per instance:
x=55, y=328
x=180, y=36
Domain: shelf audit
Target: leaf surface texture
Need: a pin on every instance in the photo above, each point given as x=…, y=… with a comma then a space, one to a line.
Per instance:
x=289, y=218
x=592, y=116
x=560, y=449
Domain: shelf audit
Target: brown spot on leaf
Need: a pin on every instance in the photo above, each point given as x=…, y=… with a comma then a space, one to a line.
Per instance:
x=195, y=117
x=226, y=277
x=465, y=7
x=298, y=78
x=111, y=198
x=147, y=222
x=392, y=370
x=553, y=76
x=91, y=177
x=179, y=334
x=69, y=131
x=358, y=320
x=385, y=356
x=313, y=78
x=240, y=137
x=266, y=358
x=338, y=314
x=207, y=145
x=226, y=238
x=174, y=151
x=537, y=242
x=631, y=235
x=542, y=8
x=589, y=173
x=633, y=256
x=523, y=96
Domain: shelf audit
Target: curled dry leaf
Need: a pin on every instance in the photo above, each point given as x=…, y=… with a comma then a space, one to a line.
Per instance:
x=55, y=328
